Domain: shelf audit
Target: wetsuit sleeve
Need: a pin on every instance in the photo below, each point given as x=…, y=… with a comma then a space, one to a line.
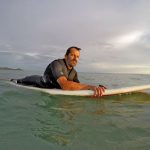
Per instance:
x=57, y=70
x=76, y=78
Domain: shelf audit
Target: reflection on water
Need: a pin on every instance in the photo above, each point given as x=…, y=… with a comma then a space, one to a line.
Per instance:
x=48, y=122
x=62, y=119
x=59, y=118
x=59, y=124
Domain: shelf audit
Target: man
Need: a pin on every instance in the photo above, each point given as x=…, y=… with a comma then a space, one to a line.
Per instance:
x=62, y=75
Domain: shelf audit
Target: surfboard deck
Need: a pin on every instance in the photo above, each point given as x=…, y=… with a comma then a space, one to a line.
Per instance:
x=85, y=92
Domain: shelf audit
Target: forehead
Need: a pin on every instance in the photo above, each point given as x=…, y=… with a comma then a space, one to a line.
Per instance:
x=75, y=51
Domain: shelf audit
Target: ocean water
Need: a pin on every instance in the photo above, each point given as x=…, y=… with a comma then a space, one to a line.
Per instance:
x=35, y=120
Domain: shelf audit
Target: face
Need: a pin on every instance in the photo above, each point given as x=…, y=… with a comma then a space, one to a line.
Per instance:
x=73, y=57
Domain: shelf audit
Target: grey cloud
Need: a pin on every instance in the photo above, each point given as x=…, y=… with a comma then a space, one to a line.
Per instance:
x=48, y=28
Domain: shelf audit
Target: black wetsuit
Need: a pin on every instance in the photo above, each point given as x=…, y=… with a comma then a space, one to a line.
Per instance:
x=54, y=70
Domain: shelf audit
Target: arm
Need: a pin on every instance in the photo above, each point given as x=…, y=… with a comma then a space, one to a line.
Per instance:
x=70, y=85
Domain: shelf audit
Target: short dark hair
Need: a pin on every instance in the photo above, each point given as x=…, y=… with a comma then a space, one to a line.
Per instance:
x=69, y=49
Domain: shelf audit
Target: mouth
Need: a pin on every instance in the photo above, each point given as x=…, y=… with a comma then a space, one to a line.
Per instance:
x=73, y=62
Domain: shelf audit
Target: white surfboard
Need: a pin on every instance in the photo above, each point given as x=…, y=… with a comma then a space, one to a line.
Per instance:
x=85, y=92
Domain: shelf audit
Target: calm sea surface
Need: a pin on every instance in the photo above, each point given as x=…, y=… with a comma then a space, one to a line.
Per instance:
x=34, y=120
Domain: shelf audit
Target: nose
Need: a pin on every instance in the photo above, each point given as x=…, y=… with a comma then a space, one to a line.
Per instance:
x=76, y=58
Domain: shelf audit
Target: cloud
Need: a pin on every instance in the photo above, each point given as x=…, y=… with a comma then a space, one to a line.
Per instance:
x=121, y=68
x=110, y=33
x=5, y=46
x=127, y=39
x=26, y=60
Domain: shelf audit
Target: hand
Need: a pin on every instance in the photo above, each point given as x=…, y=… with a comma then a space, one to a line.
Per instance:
x=98, y=91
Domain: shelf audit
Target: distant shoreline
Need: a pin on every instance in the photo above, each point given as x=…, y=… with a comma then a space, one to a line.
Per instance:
x=7, y=68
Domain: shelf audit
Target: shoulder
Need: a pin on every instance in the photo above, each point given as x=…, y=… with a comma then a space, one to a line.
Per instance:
x=58, y=66
x=58, y=61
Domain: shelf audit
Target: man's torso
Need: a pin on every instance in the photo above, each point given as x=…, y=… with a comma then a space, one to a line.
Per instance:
x=56, y=69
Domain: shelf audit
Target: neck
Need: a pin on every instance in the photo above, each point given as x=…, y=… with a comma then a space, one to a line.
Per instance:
x=68, y=66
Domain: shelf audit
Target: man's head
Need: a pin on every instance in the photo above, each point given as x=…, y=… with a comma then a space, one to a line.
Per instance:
x=72, y=56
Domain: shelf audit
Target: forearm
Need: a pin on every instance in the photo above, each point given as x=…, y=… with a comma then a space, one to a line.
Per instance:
x=70, y=85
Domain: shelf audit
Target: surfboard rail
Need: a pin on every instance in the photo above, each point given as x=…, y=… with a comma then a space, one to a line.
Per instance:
x=85, y=92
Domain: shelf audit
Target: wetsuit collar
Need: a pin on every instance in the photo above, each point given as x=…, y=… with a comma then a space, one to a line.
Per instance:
x=67, y=65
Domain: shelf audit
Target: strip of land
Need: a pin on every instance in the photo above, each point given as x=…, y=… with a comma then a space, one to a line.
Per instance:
x=7, y=68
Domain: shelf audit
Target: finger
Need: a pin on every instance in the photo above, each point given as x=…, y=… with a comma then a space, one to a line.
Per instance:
x=98, y=92
x=101, y=91
x=95, y=92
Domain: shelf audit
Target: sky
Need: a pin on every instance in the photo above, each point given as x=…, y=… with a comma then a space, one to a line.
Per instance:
x=114, y=35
